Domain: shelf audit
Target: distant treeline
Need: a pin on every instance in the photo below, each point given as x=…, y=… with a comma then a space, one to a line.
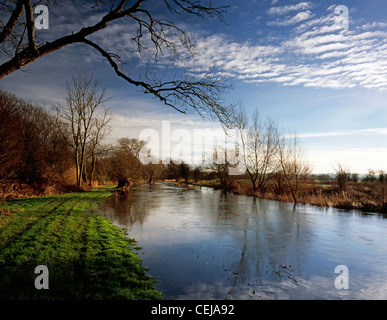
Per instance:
x=37, y=151
x=39, y=154
x=32, y=148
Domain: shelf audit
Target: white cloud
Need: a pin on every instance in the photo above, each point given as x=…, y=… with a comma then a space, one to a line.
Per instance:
x=313, y=52
x=373, y=25
x=361, y=156
x=316, y=53
x=285, y=9
x=360, y=159
x=372, y=131
x=299, y=17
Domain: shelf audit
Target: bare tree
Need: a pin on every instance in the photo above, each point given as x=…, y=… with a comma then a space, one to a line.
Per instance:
x=154, y=171
x=382, y=176
x=223, y=160
x=131, y=145
x=125, y=160
x=342, y=176
x=21, y=46
x=354, y=177
x=185, y=171
x=371, y=176
x=99, y=131
x=32, y=148
x=11, y=140
x=293, y=162
x=79, y=116
x=258, y=147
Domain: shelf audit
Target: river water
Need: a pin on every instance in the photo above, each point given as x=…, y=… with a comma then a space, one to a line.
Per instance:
x=203, y=244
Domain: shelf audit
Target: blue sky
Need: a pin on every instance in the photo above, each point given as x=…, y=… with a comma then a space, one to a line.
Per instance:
x=288, y=59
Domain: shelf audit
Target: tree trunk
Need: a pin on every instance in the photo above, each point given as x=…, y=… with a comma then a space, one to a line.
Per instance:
x=92, y=168
x=77, y=167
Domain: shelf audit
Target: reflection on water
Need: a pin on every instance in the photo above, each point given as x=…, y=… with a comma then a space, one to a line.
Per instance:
x=202, y=244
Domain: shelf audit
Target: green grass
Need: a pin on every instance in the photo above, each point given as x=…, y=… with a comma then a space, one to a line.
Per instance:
x=325, y=185
x=86, y=255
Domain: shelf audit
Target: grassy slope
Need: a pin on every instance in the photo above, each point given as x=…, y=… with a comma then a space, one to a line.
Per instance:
x=86, y=255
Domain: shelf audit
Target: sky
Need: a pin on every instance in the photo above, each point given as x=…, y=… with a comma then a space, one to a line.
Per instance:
x=319, y=68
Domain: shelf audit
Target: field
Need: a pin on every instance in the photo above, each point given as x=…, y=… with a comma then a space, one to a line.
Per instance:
x=86, y=255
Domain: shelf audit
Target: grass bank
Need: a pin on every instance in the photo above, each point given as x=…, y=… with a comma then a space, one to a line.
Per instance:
x=86, y=255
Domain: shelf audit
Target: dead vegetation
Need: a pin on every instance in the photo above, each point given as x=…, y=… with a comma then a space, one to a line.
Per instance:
x=360, y=195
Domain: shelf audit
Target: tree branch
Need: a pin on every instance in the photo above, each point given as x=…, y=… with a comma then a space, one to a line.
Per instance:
x=194, y=7
x=202, y=94
x=30, y=24
x=30, y=54
x=15, y=17
x=145, y=86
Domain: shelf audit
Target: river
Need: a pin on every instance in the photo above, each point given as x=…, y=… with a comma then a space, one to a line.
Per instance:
x=203, y=244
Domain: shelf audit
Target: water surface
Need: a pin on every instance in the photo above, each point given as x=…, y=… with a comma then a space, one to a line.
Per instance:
x=203, y=244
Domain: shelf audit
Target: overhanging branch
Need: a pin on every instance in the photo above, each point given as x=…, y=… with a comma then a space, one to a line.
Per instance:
x=147, y=88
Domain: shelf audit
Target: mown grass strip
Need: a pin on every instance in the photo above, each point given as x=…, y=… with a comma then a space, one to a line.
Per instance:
x=86, y=255
x=22, y=220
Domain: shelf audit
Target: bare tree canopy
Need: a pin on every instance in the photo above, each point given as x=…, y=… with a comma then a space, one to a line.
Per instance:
x=342, y=177
x=32, y=148
x=258, y=144
x=82, y=125
x=293, y=162
x=20, y=47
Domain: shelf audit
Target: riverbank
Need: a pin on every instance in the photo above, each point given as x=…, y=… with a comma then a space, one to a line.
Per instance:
x=358, y=196
x=86, y=255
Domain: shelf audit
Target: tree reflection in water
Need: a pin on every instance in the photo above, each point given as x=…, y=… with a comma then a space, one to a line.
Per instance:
x=128, y=209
